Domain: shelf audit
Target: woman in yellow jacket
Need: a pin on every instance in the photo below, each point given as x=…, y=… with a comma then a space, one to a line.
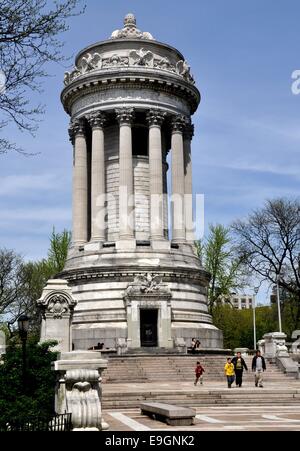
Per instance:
x=229, y=372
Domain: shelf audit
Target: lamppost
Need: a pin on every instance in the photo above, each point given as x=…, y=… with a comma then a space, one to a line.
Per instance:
x=23, y=325
x=278, y=301
x=254, y=316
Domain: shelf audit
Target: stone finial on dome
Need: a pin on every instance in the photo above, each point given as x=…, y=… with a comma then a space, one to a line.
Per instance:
x=130, y=20
x=130, y=30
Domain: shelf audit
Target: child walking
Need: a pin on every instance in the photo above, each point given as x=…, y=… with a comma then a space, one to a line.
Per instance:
x=229, y=372
x=199, y=370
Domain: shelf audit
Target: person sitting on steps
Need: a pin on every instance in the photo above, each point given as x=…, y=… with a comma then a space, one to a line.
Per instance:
x=193, y=345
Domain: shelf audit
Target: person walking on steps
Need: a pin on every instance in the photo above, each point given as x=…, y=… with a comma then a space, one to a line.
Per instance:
x=229, y=372
x=199, y=370
x=239, y=366
x=259, y=366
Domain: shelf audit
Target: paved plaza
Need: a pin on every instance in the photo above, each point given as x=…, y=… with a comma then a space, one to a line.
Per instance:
x=232, y=418
x=274, y=407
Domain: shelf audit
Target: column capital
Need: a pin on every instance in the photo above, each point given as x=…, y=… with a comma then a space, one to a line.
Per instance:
x=76, y=127
x=96, y=119
x=155, y=117
x=125, y=115
x=179, y=123
x=189, y=131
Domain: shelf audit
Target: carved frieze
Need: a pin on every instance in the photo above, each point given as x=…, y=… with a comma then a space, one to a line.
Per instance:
x=115, y=61
x=148, y=284
x=142, y=57
x=183, y=69
x=90, y=62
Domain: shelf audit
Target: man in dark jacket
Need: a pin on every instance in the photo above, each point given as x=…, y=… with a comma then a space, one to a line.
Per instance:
x=259, y=366
x=239, y=365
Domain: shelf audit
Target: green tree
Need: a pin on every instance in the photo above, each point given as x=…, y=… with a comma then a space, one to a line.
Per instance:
x=219, y=257
x=13, y=300
x=37, y=398
x=21, y=283
x=269, y=244
x=58, y=251
x=237, y=325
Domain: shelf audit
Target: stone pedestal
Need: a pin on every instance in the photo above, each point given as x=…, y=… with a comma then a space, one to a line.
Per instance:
x=296, y=343
x=57, y=304
x=275, y=345
x=261, y=346
x=78, y=389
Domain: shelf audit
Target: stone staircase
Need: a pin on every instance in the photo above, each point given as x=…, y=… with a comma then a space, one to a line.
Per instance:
x=202, y=398
x=133, y=379
x=176, y=368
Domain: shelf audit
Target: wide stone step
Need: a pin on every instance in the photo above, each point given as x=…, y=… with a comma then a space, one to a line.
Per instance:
x=207, y=398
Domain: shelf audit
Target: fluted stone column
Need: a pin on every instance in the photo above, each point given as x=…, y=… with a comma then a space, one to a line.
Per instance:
x=178, y=182
x=126, y=202
x=97, y=121
x=188, y=184
x=80, y=182
x=155, y=119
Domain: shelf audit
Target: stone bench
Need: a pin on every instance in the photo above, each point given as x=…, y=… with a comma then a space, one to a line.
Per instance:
x=172, y=415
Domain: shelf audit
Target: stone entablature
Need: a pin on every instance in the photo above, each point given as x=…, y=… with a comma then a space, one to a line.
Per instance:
x=118, y=87
x=195, y=275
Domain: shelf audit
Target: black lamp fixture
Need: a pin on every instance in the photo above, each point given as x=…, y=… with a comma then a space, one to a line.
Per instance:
x=23, y=326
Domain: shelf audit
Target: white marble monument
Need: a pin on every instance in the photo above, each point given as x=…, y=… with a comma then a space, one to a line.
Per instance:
x=130, y=99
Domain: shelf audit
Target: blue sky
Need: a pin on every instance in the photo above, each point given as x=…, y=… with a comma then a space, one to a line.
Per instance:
x=247, y=141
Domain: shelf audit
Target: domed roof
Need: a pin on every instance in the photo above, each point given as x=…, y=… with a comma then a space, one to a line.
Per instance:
x=130, y=59
x=130, y=30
